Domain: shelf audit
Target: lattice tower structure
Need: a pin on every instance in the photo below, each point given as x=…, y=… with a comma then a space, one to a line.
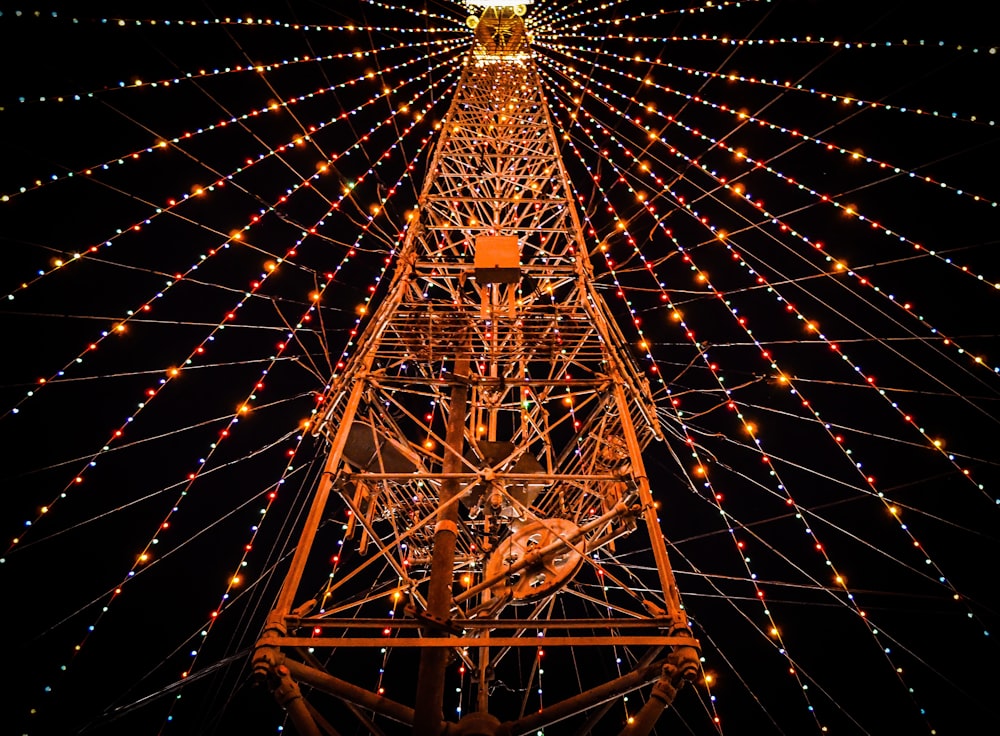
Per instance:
x=486, y=436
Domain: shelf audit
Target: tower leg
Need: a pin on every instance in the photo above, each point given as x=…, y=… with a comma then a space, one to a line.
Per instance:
x=680, y=667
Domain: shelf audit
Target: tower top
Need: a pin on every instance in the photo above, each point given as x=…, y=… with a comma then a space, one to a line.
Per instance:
x=500, y=4
x=499, y=29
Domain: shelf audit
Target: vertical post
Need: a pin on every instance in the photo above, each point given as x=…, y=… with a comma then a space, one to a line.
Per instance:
x=428, y=714
x=287, y=596
x=682, y=665
x=667, y=580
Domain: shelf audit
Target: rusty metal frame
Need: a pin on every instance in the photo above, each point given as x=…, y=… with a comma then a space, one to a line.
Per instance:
x=538, y=419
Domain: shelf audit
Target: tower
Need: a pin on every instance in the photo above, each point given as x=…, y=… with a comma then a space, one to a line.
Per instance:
x=487, y=437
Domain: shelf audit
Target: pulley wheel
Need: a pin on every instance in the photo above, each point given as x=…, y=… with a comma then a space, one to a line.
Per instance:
x=546, y=574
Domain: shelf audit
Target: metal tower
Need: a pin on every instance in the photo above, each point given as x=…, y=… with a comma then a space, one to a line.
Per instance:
x=487, y=436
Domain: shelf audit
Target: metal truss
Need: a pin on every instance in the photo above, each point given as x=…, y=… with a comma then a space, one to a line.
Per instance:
x=487, y=436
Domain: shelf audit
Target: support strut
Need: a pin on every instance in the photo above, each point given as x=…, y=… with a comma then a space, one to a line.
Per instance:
x=429, y=710
x=681, y=667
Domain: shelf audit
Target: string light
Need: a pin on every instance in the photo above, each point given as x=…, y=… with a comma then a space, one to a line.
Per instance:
x=616, y=230
x=824, y=198
x=700, y=470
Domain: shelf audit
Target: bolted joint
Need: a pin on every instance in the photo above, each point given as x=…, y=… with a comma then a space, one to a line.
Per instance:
x=685, y=659
x=263, y=663
x=286, y=689
x=665, y=689
x=266, y=655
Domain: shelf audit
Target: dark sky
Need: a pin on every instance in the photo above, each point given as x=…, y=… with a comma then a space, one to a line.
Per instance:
x=848, y=150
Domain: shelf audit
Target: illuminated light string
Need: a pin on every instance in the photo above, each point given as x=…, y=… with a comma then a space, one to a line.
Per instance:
x=237, y=578
x=540, y=671
x=862, y=280
x=577, y=666
x=794, y=668
x=154, y=438
x=847, y=209
x=387, y=90
x=459, y=24
x=715, y=497
x=601, y=574
x=782, y=490
x=841, y=427
x=814, y=513
x=688, y=207
x=146, y=555
x=380, y=682
x=159, y=371
x=373, y=595
x=551, y=17
x=614, y=649
x=621, y=229
x=775, y=631
x=840, y=99
x=146, y=307
x=181, y=322
x=355, y=603
x=812, y=326
x=164, y=143
x=210, y=621
x=363, y=309
x=839, y=264
x=245, y=406
x=248, y=22
x=396, y=596
x=461, y=690
x=709, y=678
x=151, y=563
x=874, y=628
x=704, y=636
x=870, y=481
x=204, y=74
x=788, y=87
x=794, y=40
x=263, y=77
x=334, y=562
x=409, y=168
x=814, y=584
x=173, y=203
x=742, y=322
x=202, y=346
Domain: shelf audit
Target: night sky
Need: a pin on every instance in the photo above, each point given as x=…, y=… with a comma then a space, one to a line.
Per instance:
x=792, y=212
